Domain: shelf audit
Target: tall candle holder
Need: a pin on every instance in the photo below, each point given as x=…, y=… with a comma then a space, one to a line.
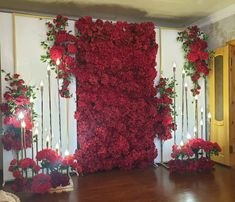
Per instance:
x=36, y=139
x=59, y=104
x=196, y=116
x=201, y=123
x=21, y=116
x=23, y=125
x=42, y=118
x=174, y=70
x=31, y=114
x=49, y=94
x=186, y=103
x=182, y=114
x=209, y=126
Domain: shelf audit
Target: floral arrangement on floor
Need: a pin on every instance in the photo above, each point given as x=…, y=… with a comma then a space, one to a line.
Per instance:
x=18, y=99
x=197, y=55
x=60, y=52
x=50, y=170
x=194, y=156
x=165, y=106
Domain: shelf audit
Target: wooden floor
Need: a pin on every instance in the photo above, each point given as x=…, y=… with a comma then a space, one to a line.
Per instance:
x=149, y=185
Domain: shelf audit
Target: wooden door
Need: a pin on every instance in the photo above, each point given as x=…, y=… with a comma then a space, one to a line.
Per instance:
x=219, y=103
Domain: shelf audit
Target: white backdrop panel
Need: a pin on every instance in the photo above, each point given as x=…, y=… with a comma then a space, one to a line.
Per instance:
x=29, y=33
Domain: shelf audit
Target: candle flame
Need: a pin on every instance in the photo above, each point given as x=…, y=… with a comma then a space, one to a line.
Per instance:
x=209, y=115
x=174, y=65
x=183, y=72
x=194, y=129
x=57, y=146
x=23, y=124
x=41, y=84
x=188, y=136
x=36, y=131
x=47, y=138
x=57, y=61
x=201, y=123
x=181, y=143
x=186, y=85
x=21, y=115
x=66, y=153
x=202, y=110
x=196, y=97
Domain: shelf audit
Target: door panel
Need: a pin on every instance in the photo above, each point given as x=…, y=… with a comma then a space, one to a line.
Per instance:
x=219, y=103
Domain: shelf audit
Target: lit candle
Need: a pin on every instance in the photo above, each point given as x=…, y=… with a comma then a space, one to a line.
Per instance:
x=57, y=147
x=66, y=153
x=196, y=115
x=23, y=125
x=57, y=61
x=181, y=143
x=174, y=69
x=42, y=126
x=188, y=136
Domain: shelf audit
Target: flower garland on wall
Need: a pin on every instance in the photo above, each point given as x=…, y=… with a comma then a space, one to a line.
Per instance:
x=196, y=55
x=17, y=99
x=165, y=106
x=116, y=109
x=194, y=156
x=61, y=49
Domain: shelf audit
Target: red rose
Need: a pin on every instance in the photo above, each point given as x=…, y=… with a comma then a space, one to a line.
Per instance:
x=192, y=57
x=8, y=120
x=72, y=48
x=17, y=174
x=13, y=162
x=41, y=183
x=56, y=52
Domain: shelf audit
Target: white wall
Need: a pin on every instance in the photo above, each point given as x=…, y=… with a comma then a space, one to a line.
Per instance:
x=171, y=51
x=30, y=31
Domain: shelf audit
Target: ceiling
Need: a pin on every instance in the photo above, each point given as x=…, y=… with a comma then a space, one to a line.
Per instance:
x=162, y=12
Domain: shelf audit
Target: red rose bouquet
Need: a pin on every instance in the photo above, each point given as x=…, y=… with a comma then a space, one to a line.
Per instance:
x=196, y=55
x=193, y=156
x=165, y=108
x=18, y=101
x=61, y=51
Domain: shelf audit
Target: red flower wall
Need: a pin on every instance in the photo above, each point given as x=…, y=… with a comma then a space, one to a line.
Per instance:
x=116, y=108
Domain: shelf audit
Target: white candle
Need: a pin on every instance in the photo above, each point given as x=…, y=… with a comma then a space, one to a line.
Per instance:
x=181, y=143
x=58, y=61
x=188, y=136
x=23, y=125
x=66, y=153
x=41, y=85
x=57, y=147
x=21, y=115
x=209, y=116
